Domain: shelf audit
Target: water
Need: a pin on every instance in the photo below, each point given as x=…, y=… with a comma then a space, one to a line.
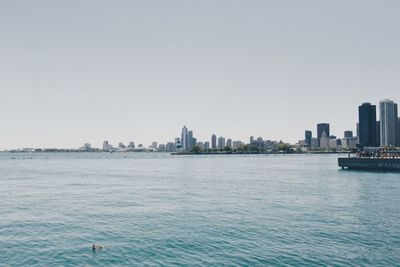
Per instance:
x=157, y=209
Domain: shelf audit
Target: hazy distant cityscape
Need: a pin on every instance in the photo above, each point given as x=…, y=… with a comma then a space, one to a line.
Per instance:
x=370, y=132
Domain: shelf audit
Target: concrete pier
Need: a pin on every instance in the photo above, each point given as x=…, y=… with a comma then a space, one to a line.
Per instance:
x=375, y=164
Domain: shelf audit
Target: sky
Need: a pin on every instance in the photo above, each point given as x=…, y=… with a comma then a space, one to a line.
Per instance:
x=82, y=71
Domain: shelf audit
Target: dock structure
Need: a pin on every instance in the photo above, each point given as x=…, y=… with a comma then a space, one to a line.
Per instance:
x=374, y=164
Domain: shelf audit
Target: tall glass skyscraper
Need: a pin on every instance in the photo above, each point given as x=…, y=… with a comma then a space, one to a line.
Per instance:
x=367, y=124
x=185, y=139
x=388, y=121
x=323, y=127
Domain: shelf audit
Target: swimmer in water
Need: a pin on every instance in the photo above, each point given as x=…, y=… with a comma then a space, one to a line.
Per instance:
x=96, y=247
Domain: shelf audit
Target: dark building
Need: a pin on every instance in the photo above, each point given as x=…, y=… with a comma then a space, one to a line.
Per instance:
x=308, y=137
x=398, y=132
x=367, y=124
x=323, y=127
x=348, y=134
x=213, y=141
x=378, y=133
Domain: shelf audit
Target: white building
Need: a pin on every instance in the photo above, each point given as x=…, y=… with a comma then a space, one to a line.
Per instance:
x=324, y=140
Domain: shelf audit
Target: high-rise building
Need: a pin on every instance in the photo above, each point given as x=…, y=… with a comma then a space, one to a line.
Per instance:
x=324, y=140
x=229, y=143
x=307, y=137
x=190, y=141
x=213, y=141
x=185, y=139
x=388, y=121
x=221, y=143
x=378, y=133
x=323, y=127
x=206, y=145
x=367, y=124
x=398, y=132
x=348, y=134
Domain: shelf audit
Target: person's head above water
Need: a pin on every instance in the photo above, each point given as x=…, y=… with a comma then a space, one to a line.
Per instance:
x=94, y=247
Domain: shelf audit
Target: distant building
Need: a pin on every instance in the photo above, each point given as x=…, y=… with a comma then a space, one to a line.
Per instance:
x=237, y=144
x=221, y=143
x=131, y=145
x=348, y=134
x=206, y=145
x=378, y=133
x=349, y=142
x=307, y=137
x=87, y=147
x=367, y=124
x=161, y=148
x=154, y=145
x=323, y=127
x=324, y=140
x=388, y=121
x=213, y=141
x=229, y=143
x=200, y=145
x=121, y=145
x=314, y=143
x=107, y=146
x=190, y=141
x=184, y=139
x=170, y=147
x=335, y=143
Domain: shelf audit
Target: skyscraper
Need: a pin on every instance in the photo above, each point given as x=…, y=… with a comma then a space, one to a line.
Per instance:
x=367, y=124
x=221, y=143
x=388, y=120
x=348, y=134
x=184, y=139
x=213, y=141
x=323, y=127
x=190, y=141
x=307, y=137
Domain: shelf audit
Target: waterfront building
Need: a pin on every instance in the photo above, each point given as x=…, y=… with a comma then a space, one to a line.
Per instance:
x=154, y=145
x=221, y=143
x=237, y=144
x=388, y=122
x=348, y=134
x=206, y=145
x=349, y=142
x=213, y=141
x=87, y=147
x=229, y=143
x=131, y=145
x=314, y=143
x=107, y=146
x=184, y=139
x=378, y=133
x=335, y=143
x=121, y=145
x=307, y=137
x=170, y=147
x=190, y=141
x=161, y=148
x=324, y=140
x=251, y=139
x=367, y=124
x=200, y=145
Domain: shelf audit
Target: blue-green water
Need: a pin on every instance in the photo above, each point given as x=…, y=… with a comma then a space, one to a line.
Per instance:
x=156, y=209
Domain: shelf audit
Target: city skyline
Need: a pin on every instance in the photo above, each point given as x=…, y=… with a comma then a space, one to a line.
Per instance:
x=88, y=71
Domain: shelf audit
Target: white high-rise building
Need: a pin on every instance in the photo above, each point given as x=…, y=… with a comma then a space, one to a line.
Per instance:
x=388, y=122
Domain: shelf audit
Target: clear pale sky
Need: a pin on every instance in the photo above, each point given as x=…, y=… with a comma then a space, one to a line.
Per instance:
x=89, y=70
